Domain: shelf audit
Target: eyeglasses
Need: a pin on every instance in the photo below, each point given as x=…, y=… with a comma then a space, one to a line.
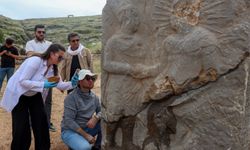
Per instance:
x=39, y=32
x=76, y=40
x=60, y=58
x=89, y=78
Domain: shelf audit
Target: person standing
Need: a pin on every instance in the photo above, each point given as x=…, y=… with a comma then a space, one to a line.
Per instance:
x=8, y=55
x=37, y=46
x=82, y=113
x=76, y=57
x=25, y=94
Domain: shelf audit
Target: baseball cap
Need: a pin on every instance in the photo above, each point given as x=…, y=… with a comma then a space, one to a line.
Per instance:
x=84, y=72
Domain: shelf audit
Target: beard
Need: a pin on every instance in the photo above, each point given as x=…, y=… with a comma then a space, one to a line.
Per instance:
x=40, y=38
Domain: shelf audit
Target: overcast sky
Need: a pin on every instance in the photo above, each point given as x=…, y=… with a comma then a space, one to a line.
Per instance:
x=27, y=9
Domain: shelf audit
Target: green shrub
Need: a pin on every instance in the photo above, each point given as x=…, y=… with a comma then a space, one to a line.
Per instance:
x=1, y=36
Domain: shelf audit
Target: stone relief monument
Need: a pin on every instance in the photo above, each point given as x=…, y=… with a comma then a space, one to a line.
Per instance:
x=175, y=74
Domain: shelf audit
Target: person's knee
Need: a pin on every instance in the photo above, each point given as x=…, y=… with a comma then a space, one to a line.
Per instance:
x=83, y=147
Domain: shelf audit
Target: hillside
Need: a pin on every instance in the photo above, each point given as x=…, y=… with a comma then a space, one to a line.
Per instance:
x=12, y=28
x=57, y=29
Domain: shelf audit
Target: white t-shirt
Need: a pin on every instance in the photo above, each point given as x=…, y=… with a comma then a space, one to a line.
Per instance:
x=37, y=46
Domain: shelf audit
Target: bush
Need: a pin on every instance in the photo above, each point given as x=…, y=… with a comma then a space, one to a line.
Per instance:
x=1, y=36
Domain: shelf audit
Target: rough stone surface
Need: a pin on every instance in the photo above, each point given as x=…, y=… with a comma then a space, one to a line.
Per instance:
x=176, y=74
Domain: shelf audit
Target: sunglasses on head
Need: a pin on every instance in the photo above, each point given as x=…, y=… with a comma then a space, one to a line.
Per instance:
x=76, y=40
x=39, y=32
x=89, y=78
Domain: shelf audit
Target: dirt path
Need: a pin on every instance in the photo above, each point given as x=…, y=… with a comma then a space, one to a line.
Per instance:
x=57, y=111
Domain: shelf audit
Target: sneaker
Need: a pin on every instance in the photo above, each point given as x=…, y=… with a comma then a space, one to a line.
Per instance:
x=52, y=128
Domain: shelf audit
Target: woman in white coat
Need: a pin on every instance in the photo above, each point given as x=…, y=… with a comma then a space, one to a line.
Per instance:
x=24, y=97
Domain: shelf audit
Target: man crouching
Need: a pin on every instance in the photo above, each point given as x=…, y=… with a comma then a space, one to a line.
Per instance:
x=82, y=112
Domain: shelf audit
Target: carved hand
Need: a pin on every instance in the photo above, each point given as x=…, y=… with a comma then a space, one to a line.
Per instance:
x=142, y=71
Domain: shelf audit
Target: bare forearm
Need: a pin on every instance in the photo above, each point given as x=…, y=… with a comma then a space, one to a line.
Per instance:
x=87, y=136
x=13, y=56
x=2, y=53
x=83, y=133
x=30, y=53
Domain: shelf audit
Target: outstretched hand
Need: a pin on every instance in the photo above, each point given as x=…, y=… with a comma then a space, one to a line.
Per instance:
x=48, y=84
x=74, y=80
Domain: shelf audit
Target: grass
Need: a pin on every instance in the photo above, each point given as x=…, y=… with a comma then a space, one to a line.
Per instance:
x=97, y=63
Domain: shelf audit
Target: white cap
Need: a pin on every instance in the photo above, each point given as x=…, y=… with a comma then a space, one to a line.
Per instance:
x=83, y=72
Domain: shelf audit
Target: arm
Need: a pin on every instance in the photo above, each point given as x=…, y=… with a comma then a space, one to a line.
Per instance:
x=112, y=66
x=122, y=66
x=70, y=112
x=87, y=136
x=30, y=49
x=16, y=56
x=64, y=85
x=31, y=53
x=3, y=52
x=97, y=116
x=29, y=69
x=98, y=108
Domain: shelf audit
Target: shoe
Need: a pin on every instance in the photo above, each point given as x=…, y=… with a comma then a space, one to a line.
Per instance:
x=96, y=148
x=52, y=128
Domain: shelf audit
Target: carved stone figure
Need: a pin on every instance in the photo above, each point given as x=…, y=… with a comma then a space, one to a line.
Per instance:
x=126, y=61
x=193, y=55
x=176, y=74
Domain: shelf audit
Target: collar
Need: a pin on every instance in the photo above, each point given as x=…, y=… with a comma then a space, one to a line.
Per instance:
x=77, y=51
x=83, y=93
x=43, y=41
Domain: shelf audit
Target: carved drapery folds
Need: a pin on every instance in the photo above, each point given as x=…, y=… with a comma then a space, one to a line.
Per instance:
x=171, y=67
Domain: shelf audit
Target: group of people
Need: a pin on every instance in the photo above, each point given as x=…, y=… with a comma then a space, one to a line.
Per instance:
x=28, y=93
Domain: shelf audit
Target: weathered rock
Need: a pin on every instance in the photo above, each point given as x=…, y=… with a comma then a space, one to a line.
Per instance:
x=175, y=74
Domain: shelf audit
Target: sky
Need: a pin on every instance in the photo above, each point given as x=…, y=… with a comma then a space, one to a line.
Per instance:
x=27, y=9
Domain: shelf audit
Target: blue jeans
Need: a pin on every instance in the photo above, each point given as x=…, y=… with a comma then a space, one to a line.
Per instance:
x=5, y=71
x=77, y=142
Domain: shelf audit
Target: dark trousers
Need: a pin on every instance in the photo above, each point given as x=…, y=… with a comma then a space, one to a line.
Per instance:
x=48, y=105
x=32, y=106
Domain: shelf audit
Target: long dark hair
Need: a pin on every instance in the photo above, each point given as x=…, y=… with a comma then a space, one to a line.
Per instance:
x=46, y=55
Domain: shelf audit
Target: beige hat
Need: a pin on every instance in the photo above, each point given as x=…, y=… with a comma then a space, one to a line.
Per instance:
x=83, y=72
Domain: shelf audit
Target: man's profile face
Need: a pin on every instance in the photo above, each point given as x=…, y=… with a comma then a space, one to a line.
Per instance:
x=40, y=34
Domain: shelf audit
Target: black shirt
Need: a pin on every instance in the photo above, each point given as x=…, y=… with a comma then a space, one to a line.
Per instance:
x=7, y=61
x=74, y=65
